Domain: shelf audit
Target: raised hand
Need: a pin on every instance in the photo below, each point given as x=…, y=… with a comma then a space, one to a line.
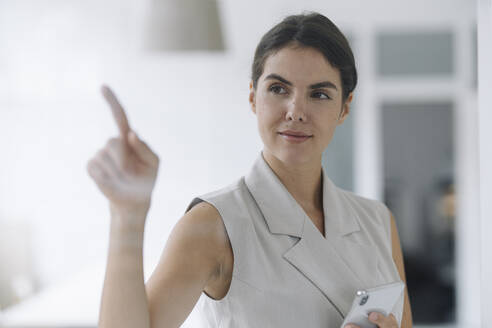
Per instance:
x=125, y=170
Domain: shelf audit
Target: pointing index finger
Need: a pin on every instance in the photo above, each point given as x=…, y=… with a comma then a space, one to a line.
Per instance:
x=117, y=110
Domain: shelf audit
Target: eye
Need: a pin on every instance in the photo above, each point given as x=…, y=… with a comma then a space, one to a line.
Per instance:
x=320, y=95
x=278, y=89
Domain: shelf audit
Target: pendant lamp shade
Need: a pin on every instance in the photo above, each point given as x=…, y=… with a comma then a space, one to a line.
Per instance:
x=183, y=25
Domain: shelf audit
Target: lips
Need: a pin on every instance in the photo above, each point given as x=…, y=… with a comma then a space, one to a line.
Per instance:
x=294, y=133
x=294, y=139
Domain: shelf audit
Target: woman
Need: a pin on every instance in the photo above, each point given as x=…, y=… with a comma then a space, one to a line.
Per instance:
x=281, y=246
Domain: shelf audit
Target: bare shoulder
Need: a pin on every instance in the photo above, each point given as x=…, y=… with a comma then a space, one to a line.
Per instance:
x=205, y=216
x=203, y=234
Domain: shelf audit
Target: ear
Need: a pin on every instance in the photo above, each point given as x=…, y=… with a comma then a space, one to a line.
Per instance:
x=252, y=98
x=345, y=109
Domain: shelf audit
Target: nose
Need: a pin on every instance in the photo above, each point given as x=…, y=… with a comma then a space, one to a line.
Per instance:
x=296, y=111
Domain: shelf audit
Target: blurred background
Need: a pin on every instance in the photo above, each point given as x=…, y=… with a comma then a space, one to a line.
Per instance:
x=181, y=69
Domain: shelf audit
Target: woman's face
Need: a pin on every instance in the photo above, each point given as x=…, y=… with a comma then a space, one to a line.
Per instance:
x=299, y=90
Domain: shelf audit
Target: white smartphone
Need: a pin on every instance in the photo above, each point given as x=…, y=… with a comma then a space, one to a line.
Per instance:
x=378, y=299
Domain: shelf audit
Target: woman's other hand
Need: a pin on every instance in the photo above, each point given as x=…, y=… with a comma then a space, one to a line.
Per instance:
x=125, y=170
x=380, y=320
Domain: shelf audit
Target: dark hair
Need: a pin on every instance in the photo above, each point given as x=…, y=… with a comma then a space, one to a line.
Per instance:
x=309, y=30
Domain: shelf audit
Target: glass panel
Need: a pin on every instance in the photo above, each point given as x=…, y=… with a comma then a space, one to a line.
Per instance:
x=419, y=190
x=338, y=157
x=414, y=53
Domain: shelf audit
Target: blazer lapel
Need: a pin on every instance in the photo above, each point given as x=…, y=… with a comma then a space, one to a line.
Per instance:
x=335, y=265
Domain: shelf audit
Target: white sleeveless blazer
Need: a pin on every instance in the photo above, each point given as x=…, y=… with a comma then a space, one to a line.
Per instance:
x=286, y=274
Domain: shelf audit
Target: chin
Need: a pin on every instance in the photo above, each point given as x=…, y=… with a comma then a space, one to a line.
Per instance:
x=293, y=157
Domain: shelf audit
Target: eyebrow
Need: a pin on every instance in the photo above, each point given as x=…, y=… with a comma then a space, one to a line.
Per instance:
x=324, y=84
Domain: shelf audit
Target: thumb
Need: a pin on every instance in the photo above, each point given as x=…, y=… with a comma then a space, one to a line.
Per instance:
x=377, y=318
x=142, y=149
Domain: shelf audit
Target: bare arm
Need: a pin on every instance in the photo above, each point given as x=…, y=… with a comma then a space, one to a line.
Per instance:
x=192, y=258
x=124, y=301
x=125, y=171
x=406, y=321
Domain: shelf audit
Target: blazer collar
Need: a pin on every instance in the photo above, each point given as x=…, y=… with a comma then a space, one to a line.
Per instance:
x=282, y=212
x=335, y=265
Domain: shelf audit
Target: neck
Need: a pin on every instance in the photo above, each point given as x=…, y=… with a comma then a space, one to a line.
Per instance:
x=304, y=181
